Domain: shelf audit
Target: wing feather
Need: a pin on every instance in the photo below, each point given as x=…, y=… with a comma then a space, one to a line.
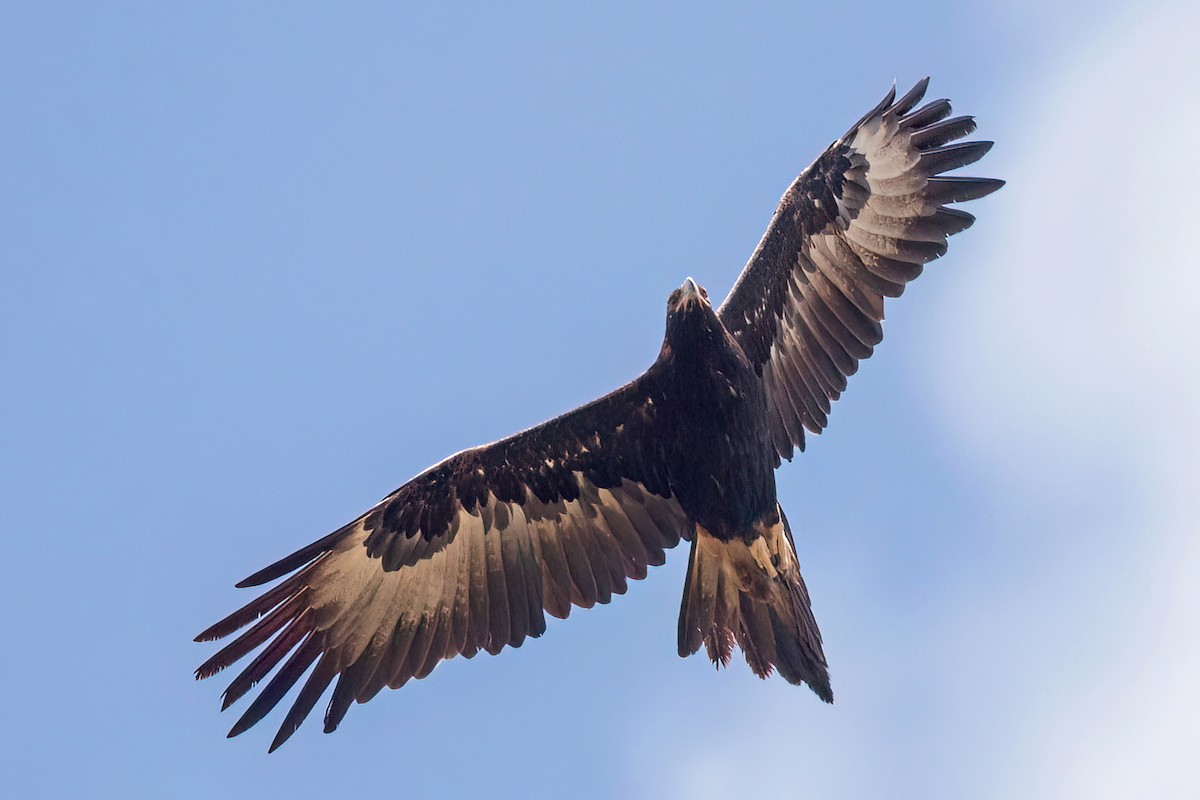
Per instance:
x=853, y=229
x=580, y=564
x=468, y=556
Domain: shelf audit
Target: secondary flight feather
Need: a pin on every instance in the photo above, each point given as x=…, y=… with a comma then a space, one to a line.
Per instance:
x=471, y=554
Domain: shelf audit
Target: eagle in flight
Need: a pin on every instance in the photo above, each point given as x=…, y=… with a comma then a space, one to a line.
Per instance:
x=471, y=554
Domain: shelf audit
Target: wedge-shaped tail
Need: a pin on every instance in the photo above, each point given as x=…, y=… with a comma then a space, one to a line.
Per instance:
x=749, y=592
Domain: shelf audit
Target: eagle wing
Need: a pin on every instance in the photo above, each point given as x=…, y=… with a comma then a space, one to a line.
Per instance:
x=464, y=557
x=854, y=228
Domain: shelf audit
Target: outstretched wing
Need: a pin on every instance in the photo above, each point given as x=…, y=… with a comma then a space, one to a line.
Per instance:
x=854, y=228
x=464, y=557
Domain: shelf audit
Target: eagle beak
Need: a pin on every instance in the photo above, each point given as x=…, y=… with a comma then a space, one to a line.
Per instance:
x=690, y=292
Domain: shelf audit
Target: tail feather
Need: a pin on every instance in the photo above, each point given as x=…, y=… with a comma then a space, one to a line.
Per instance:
x=751, y=593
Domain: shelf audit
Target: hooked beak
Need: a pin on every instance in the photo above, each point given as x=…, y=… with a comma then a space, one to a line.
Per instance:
x=689, y=293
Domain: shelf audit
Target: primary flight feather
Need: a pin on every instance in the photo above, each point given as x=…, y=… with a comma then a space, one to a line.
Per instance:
x=472, y=553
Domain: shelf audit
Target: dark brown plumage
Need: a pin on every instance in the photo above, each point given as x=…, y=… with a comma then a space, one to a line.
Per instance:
x=470, y=554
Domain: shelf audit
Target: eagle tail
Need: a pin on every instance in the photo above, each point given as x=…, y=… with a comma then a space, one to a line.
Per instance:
x=751, y=594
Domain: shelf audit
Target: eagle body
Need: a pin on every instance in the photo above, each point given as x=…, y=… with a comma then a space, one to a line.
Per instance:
x=471, y=554
x=714, y=413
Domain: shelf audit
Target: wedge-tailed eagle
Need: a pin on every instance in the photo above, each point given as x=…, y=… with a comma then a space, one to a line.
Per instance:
x=472, y=553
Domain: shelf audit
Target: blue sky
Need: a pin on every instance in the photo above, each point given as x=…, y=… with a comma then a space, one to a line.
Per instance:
x=263, y=265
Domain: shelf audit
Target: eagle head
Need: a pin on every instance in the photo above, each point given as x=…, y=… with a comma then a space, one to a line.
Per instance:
x=691, y=321
x=688, y=295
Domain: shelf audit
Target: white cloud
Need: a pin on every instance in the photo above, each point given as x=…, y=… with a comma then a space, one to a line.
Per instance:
x=1073, y=383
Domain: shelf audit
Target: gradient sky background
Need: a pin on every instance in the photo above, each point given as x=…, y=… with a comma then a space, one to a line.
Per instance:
x=262, y=265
